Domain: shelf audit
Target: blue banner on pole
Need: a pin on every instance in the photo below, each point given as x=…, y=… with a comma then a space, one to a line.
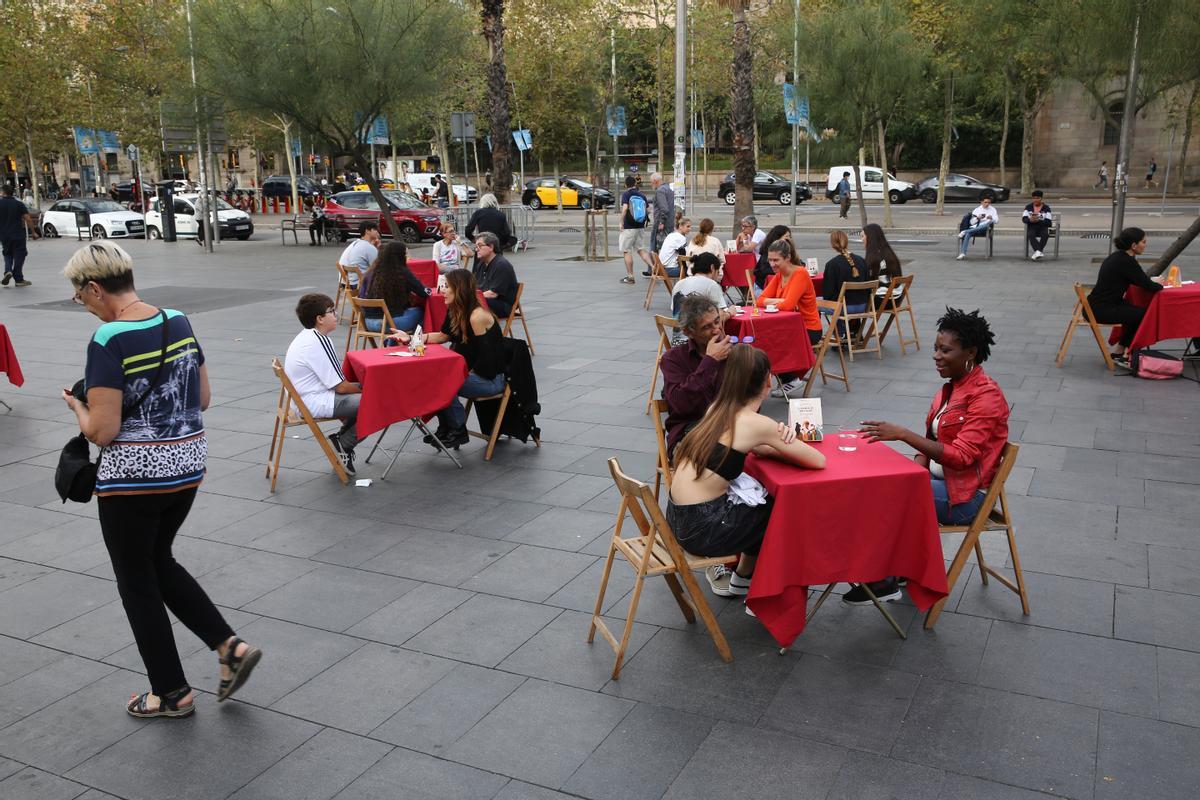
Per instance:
x=795, y=108
x=297, y=147
x=523, y=139
x=614, y=118
x=379, y=131
x=86, y=141
x=697, y=139
x=109, y=142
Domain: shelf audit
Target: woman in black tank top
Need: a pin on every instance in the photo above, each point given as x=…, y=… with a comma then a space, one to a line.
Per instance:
x=705, y=518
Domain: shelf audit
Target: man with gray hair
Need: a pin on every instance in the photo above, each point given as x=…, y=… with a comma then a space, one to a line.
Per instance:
x=692, y=371
x=494, y=275
x=664, y=210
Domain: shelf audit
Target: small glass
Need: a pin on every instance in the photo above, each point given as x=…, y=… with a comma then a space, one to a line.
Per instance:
x=848, y=438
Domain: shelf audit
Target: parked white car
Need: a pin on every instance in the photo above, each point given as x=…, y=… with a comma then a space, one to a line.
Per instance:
x=872, y=189
x=106, y=219
x=425, y=180
x=235, y=224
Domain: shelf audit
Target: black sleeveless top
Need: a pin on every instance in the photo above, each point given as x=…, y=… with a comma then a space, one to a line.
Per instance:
x=726, y=462
x=484, y=354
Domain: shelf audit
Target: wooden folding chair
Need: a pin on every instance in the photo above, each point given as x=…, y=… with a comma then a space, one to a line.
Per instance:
x=1082, y=315
x=494, y=435
x=654, y=551
x=664, y=344
x=658, y=273
x=662, y=472
x=868, y=319
x=518, y=314
x=993, y=515
x=285, y=418
x=358, y=324
x=897, y=301
x=830, y=337
x=344, y=288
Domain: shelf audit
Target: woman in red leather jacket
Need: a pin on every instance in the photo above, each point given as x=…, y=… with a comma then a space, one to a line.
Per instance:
x=965, y=430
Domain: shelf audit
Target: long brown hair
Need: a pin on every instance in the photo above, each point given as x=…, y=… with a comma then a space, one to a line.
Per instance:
x=840, y=242
x=746, y=370
x=879, y=251
x=389, y=278
x=459, y=310
x=706, y=227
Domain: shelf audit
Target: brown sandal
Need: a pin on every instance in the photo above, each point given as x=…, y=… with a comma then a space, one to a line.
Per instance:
x=240, y=668
x=168, y=705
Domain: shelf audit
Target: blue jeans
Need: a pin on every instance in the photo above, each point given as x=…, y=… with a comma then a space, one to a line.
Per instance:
x=406, y=322
x=978, y=230
x=948, y=514
x=454, y=416
x=851, y=308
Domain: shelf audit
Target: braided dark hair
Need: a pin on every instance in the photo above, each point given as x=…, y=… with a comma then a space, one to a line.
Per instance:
x=970, y=329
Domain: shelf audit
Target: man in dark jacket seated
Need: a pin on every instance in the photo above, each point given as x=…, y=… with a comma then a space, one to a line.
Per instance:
x=495, y=277
x=692, y=371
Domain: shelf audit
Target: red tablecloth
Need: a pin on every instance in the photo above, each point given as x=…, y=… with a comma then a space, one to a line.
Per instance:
x=868, y=515
x=8, y=359
x=425, y=270
x=396, y=389
x=781, y=336
x=1173, y=313
x=736, y=265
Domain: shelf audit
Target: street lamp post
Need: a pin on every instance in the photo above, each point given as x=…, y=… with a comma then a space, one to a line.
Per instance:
x=796, y=126
x=680, y=165
x=203, y=210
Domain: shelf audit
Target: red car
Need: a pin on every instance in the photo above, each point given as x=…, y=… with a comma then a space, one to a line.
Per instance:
x=345, y=211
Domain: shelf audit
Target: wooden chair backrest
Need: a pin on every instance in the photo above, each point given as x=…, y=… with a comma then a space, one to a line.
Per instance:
x=896, y=300
x=516, y=306
x=358, y=324
x=663, y=323
x=855, y=286
x=1081, y=296
x=647, y=515
x=749, y=277
x=831, y=319
x=659, y=410
x=288, y=396
x=1008, y=458
x=661, y=271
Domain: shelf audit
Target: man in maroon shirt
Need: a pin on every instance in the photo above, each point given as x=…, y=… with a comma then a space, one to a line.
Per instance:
x=692, y=371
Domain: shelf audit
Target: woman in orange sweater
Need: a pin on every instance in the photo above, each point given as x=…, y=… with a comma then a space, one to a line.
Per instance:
x=791, y=289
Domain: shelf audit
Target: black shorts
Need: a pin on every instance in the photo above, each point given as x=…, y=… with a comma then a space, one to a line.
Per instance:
x=719, y=527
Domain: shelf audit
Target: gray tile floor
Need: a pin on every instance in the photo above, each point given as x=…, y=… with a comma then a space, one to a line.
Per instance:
x=424, y=637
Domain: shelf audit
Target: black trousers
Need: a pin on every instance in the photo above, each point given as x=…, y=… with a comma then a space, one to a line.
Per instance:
x=138, y=532
x=316, y=231
x=1127, y=315
x=1038, y=234
x=14, y=257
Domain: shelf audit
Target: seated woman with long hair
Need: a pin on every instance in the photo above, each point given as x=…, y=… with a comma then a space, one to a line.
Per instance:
x=389, y=279
x=762, y=269
x=471, y=331
x=706, y=519
x=791, y=289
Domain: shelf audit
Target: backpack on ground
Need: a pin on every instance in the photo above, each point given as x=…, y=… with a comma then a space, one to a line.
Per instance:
x=1155, y=365
x=637, y=208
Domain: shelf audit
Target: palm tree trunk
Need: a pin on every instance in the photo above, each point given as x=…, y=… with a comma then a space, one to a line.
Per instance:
x=742, y=114
x=492, y=15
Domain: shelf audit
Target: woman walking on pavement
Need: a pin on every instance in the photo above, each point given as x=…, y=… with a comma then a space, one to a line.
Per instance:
x=144, y=411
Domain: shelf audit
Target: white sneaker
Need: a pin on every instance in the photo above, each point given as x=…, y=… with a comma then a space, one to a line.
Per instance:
x=724, y=582
x=787, y=388
x=1037, y=255
x=961, y=257
x=961, y=234
x=749, y=613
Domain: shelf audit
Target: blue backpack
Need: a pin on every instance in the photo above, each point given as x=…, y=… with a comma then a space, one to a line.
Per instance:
x=637, y=208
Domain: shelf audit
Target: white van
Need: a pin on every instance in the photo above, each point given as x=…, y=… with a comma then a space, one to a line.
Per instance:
x=872, y=188
x=425, y=180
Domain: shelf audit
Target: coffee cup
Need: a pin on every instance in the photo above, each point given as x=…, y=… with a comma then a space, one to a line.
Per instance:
x=772, y=307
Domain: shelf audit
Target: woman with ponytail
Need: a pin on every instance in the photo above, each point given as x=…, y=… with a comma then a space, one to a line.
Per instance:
x=706, y=518
x=845, y=267
x=1118, y=272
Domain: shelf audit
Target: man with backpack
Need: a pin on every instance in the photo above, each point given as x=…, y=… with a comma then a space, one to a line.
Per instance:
x=634, y=211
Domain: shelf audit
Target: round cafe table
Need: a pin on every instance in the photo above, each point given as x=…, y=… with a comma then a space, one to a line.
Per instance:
x=822, y=532
x=781, y=335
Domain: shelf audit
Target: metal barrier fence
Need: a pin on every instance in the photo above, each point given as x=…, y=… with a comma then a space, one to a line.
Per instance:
x=520, y=220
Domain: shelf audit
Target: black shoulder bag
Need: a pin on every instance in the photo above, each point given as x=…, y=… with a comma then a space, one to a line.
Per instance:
x=75, y=476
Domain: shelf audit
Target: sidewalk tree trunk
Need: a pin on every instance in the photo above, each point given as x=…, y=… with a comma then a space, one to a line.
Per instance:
x=1189, y=116
x=887, y=198
x=947, y=131
x=492, y=14
x=1178, y=246
x=742, y=112
x=1004, y=124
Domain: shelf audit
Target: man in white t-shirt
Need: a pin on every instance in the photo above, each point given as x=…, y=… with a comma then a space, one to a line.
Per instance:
x=976, y=224
x=704, y=280
x=675, y=242
x=751, y=236
x=314, y=369
x=362, y=252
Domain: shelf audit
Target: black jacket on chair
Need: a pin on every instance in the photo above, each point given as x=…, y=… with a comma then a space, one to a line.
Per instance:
x=523, y=406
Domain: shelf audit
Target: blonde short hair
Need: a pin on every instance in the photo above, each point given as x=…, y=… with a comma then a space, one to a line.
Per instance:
x=489, y=201
x=102, y=262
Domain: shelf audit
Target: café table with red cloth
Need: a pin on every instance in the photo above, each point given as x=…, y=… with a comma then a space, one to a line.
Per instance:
x=398, y=388
x=867, y=516
x=8, y=359
x=435, y=310
x=1173, y=313
x=781, y=335
x=425, y=270
x=736, y=265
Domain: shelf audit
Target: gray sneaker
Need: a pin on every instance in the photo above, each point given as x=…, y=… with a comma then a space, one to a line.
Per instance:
x=24, y=283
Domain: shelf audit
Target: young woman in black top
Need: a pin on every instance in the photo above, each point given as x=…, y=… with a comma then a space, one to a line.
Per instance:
x=389, y=279
x=473, y=333
x=1118, y=272
x=705, y=520
x=845, y=267
x=882, y=262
